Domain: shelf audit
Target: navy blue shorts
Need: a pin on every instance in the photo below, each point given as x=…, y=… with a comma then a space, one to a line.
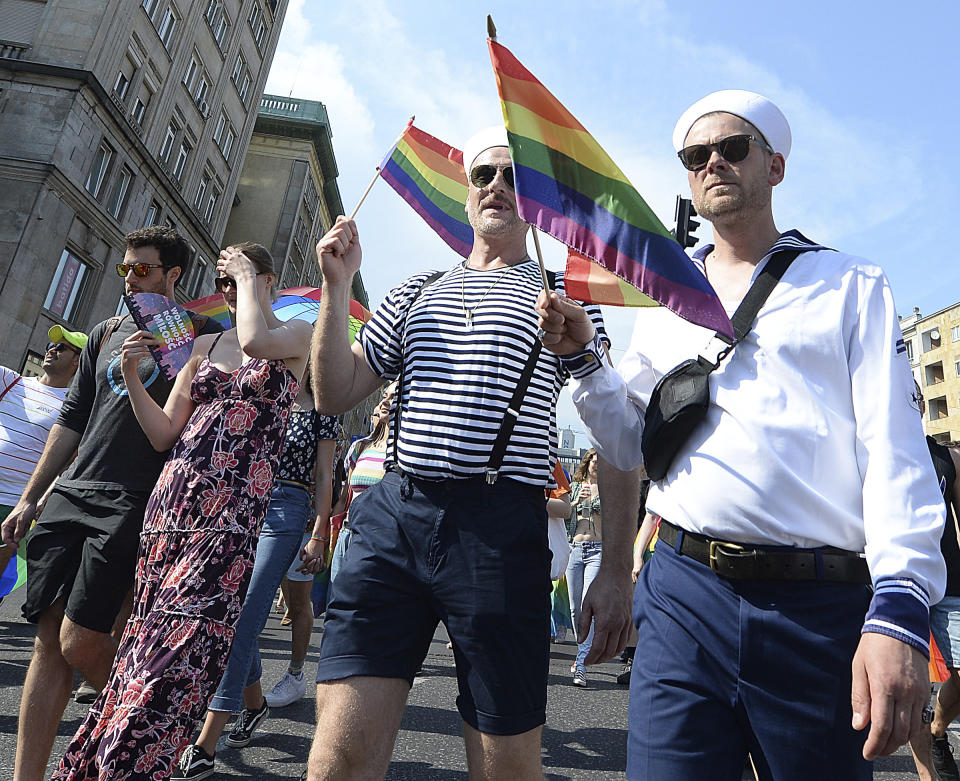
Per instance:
x=726, y=667
x=471, y=555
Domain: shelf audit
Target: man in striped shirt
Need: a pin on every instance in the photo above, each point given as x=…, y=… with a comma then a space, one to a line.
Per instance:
x=438, y=539
x=29, y=406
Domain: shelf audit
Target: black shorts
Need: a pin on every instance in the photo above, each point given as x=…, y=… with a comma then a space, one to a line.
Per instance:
x=84, y=548
x=471, y=555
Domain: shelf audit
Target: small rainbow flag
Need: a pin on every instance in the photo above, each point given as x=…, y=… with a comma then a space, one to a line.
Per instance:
x=15, y=574
x=567, y=186
x=428, y=174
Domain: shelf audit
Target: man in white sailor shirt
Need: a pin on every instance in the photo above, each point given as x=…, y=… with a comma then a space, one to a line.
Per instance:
x=811, y=452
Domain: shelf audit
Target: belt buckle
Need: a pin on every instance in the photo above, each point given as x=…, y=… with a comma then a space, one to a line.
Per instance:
x=730, y=550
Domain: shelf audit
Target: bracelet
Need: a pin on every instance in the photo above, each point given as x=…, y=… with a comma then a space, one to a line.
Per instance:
x=318, y=539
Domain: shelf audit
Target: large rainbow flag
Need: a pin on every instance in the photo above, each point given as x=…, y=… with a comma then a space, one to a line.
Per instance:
x=567, y=186
x=428, y=174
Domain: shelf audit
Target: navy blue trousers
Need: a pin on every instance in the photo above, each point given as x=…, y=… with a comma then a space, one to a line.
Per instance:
x=726, y=667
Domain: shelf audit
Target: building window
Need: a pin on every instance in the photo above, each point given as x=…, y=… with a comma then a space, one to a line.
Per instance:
x=168, y=24
x=118, y=195
x=955, y=333
x=150, y=6
x=258, y=25
x=194, y=69
x=201, y=93
x=224, y=136
x=98, y=172
x=218, y=22
x=153, y=214
x=66, y=289
x=956, y=368
x=938, y=408
x=241, y=77
x=122, y=85
x=205, y=181
x=931, y=339
x=33, y=365
x=909, y=344
x=167, y=146
x=212, y=198
x=933, y=374
x=200, y=279
x=183, y=154
x=142, y=102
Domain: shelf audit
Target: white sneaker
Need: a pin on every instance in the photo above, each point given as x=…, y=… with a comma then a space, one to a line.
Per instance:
x=289, y=689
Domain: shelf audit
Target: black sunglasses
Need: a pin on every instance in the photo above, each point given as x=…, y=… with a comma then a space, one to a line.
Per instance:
x=140, y=269
x=222, y=283
x=733, y=149
x=482, y=175
x=61, y=346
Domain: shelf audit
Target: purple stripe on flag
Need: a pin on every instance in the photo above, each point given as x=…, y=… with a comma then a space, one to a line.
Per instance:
x=669, y=261
x=457, y=235
x=645, y=250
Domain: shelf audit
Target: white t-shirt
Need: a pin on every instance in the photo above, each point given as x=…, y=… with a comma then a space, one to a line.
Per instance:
x=27, y=412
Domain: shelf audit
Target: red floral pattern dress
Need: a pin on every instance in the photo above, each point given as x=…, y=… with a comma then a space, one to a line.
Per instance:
x=196, y=556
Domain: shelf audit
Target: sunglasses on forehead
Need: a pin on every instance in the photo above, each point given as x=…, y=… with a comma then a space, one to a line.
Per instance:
x=140, y=269
x=733, y=149
x=482, y=175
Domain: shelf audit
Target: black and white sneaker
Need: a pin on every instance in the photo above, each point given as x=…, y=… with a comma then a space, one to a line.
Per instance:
x=580, y=678
x=195, y=763
x=245, y=725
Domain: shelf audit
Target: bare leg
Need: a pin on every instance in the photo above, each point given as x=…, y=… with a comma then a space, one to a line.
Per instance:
x=88, y=651
x=358, y=719
x=503, y=757
x=947, y=710
x=301, y=611
x=46, y=691
x=212, y=729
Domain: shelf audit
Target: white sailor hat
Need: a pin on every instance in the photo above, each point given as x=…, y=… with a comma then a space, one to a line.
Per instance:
x=756, y=109
x=481, y=141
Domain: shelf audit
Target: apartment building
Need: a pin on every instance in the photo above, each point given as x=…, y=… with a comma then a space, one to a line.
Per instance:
x=116, y=115
x=933, y=347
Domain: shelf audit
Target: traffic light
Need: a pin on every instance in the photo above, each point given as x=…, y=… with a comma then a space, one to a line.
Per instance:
x=686, y=226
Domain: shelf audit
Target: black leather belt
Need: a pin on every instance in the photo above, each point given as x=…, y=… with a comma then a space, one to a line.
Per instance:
x=739, y=561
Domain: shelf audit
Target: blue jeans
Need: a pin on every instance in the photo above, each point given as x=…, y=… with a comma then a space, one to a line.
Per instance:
x=581, y=570
x=339, y=551
x=279, y=543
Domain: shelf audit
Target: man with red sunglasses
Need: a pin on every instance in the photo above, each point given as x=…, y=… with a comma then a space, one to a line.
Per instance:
x=82, y=553
x=806, y=482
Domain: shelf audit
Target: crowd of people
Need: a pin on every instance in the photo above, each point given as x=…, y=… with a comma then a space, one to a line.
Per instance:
x=787, y=607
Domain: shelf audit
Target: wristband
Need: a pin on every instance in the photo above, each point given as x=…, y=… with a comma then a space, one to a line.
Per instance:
x=318, y=539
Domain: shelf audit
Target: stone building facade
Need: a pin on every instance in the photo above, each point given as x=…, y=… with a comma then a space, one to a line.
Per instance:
x=288, y=197
x=933, y=347
x=115, y=115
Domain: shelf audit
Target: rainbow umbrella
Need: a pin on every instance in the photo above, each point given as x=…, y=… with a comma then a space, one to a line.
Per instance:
x=302, y=303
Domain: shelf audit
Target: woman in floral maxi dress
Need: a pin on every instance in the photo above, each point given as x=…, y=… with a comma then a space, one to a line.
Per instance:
x=225, y=419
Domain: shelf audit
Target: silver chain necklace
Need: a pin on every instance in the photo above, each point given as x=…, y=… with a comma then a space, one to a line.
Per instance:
x=469, y=312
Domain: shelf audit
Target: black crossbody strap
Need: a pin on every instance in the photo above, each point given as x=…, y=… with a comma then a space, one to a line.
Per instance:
x=760, y=291
x=403, y=338
x=516, y=402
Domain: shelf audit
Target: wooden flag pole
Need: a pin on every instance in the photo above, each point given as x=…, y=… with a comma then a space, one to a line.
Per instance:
x=377, y=174
x=543, y=269
x=492, y=34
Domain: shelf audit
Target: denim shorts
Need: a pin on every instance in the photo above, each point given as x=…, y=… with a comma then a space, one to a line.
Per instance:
x=471, y=555
x=945, y=628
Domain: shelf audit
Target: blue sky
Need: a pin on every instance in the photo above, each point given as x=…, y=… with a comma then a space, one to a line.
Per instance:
x=870, y=90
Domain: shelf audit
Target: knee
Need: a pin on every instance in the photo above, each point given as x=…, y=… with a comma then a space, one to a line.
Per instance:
x=82, y=647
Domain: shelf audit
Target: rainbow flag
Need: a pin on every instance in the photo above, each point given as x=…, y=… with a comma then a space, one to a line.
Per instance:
x=428, y=174
x=567, y=186
x=15, y=574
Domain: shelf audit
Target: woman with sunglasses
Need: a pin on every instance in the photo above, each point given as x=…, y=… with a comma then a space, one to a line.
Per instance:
x=225, y=421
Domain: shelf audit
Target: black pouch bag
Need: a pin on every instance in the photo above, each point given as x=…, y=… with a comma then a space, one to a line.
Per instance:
x=680, y=399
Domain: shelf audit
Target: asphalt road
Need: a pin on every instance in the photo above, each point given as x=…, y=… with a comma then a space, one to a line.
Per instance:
x=585, y=735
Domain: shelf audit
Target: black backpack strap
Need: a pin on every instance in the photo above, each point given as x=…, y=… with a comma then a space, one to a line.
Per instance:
x=112, y=325
x=433, y=277
x=516, y=402
x=756, y=297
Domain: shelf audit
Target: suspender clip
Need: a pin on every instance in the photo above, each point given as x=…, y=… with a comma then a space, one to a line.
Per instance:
x=491, y=476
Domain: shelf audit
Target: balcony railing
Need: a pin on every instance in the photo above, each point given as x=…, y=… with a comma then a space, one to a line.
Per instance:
x=13, y=51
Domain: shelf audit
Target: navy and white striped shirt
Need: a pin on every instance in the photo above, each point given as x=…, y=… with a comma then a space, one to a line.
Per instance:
x=458, y=382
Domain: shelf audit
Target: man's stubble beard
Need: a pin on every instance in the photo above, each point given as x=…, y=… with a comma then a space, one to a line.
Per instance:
x=745, y=200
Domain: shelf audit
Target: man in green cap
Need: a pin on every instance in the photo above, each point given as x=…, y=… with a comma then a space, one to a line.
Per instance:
x=29, y=406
